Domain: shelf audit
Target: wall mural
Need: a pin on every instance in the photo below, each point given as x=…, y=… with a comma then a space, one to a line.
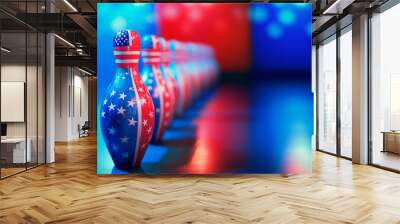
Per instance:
x=204, y=88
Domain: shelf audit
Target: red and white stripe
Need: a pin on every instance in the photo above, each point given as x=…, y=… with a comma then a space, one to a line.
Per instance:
x=145, y=113
x=126, y=56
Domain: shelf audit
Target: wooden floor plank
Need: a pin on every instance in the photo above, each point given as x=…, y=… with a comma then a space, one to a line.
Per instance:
x=70, y=191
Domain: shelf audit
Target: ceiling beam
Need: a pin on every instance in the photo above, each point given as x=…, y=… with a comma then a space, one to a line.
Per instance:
x=81, y=61
x=89, y=30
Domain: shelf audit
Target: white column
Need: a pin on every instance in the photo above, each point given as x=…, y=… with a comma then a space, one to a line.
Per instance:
x=314, y=92
x=50, y=98
x=360, y=90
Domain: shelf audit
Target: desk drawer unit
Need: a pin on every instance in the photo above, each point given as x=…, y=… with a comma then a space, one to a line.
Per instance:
x=391, y=142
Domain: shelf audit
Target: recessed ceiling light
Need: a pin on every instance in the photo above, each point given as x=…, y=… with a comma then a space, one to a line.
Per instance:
x=337, y=7
x=84, y=71
x=5, y=50
x=64, y=40
x=70, y=5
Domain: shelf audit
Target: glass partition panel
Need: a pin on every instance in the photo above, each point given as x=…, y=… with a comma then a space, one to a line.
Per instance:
x=32, y=98
x=346, y=93
x=327, y=96
x=385, y=89
x=22, y=88
x=14, y=153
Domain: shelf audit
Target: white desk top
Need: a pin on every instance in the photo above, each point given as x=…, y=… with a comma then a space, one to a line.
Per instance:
x=13, y=140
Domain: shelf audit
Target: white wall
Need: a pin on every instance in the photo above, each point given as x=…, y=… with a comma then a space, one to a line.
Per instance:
x=62, y=82
x=33, y=127
x=81, y=85
x=12, y=73
x=71, y=94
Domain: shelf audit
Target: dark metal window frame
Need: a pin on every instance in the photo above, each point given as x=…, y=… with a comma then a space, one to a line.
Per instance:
x=339, y=32
x=387, y=5
x=44, y=80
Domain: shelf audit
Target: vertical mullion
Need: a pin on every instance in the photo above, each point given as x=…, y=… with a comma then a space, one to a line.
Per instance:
x=69, y=92
x=26, y=85
x=317, y=96
x=73, y=92
x=369, y=79
x=60, y=88
x=80, y=103
x=45, y=94
x=0, y=94
x=338, y=98
x=37, y=88
x=45, y=86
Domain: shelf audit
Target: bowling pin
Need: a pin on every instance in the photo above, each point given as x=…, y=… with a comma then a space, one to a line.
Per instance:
x=193, y=67
x=186, y=71
x=166, y=73
x=177, y=73
x=126, y=113
x=157, y=86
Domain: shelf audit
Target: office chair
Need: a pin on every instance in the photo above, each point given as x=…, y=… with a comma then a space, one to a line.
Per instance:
x=84, y=130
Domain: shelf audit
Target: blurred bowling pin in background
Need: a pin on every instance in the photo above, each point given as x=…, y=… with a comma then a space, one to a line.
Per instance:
x=166, y=73
x=194, y=66
x=177, y=73
x=157, y=86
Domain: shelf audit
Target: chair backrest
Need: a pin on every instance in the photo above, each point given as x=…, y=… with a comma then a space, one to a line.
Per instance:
x=86, y=125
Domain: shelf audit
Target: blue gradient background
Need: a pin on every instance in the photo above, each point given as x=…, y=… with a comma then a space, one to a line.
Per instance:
x=281, y=37
x=281, y=97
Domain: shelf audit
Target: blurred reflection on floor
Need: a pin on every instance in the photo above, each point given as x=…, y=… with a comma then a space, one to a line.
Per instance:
x=211, y=137
x=237, y=129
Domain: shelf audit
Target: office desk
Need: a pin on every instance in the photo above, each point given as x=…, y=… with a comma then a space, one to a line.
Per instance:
x=13, y=150
x=391, y=141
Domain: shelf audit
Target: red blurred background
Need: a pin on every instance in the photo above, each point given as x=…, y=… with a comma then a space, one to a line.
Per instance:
x=223, y=26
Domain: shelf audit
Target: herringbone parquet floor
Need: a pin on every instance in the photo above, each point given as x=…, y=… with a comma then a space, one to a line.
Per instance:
x=69, y=191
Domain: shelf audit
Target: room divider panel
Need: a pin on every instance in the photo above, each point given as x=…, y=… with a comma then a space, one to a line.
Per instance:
x=22, y=77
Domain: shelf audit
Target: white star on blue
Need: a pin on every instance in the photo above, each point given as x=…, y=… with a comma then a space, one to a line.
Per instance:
x=121, y=39
x=118, y=119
